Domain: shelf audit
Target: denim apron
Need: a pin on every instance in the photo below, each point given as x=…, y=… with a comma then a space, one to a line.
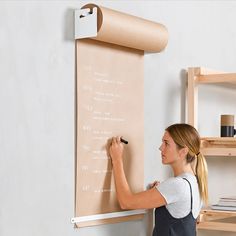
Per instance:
x=167, y=225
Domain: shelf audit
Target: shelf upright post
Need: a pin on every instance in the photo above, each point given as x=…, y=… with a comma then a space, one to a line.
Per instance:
x=192, y=94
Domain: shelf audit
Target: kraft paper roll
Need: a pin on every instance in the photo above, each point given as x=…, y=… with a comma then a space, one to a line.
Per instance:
x=130, y=31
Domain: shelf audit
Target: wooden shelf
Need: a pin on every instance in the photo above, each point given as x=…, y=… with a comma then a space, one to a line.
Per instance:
x=211, y=146
x=217, y=220
x=200, y=75
x=217, y=78
x=216, y=146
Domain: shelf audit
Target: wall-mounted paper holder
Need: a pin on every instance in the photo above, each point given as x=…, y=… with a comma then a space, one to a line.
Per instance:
x=114, y=27
x=85, y=23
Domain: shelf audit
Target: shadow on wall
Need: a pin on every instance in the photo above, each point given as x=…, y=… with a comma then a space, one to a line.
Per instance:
x=68, y=28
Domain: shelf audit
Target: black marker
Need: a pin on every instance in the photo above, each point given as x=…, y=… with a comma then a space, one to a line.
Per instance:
x=123, y=141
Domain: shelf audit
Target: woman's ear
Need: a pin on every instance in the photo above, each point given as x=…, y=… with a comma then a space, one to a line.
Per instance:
x=183, y=152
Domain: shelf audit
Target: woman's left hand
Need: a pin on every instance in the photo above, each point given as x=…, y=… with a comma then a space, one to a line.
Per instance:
x=116, y=149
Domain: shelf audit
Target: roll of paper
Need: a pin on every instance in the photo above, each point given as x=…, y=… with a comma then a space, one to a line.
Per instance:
x=130, y=31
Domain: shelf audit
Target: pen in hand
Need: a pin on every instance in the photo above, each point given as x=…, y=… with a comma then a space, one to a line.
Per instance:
x=123, y=141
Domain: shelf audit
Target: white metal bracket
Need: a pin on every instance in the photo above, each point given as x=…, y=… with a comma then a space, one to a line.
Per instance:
x=106, y=216
x=85, y=23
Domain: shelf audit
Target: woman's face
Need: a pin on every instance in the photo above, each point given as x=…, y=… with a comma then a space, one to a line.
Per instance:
x=169, y=151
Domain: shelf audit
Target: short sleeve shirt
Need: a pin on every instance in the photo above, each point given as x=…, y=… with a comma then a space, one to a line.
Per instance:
x=177, y=194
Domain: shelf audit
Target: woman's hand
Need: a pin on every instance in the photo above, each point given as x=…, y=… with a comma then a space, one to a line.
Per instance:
x=116, y=149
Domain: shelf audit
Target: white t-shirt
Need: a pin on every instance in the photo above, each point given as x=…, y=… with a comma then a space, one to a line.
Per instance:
x=176, y=192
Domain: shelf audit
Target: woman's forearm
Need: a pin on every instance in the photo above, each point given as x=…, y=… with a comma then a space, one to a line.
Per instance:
x=122, y=188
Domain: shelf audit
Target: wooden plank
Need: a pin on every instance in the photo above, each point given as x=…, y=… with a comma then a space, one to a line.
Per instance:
x=228, y=227
x=216, y=214
x=211, y=151
x=207, y=71
x=217, y=146
x=217, y=78
x=192, y=93
x=208, y=220
x=220, y=139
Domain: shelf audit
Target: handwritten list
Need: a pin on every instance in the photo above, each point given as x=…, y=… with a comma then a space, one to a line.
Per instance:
x=109, y=103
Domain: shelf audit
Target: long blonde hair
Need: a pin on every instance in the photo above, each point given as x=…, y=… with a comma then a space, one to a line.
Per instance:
x=185, y=135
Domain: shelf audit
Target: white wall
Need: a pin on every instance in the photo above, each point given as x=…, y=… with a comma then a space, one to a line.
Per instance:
x=37, y=105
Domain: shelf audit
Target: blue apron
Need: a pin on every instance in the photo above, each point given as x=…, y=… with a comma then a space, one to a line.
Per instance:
x=167, y=225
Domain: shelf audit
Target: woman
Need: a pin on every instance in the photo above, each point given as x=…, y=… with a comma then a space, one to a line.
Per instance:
x=177, y=200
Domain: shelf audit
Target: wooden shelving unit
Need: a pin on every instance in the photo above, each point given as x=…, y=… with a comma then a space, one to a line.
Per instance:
x=211, y=146
x=199, y=75
x=217, y=220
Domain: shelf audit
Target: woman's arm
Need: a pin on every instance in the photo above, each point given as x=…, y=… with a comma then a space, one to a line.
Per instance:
x=128, y=200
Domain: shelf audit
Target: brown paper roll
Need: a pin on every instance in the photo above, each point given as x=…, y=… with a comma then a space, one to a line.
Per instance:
x=129, y=31
x=227, y=120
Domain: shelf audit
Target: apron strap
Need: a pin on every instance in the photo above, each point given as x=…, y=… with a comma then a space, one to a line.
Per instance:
x=190, y=193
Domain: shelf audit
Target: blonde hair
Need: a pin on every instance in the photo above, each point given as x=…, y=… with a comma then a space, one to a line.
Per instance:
x=185, y=135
